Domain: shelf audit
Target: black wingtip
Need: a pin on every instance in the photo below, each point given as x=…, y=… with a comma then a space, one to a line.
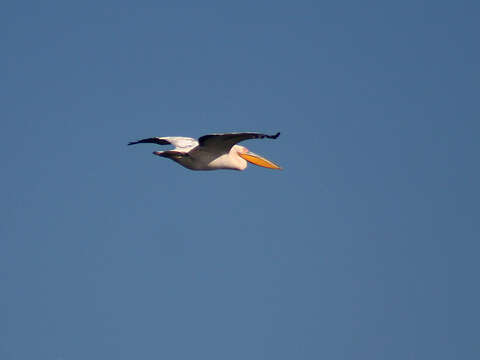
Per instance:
x=274, y=136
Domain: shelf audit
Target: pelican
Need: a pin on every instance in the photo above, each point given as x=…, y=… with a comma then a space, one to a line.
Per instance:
x=212, y=152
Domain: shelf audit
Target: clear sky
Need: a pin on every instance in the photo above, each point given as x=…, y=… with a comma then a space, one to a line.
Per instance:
x=366, y=245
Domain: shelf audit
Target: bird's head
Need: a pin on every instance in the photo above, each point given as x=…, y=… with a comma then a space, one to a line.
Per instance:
x=255, y=159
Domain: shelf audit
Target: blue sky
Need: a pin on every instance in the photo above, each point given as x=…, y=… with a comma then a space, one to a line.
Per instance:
x=365, y=246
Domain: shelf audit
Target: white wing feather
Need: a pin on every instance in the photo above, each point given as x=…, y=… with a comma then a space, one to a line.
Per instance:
x=181, y=143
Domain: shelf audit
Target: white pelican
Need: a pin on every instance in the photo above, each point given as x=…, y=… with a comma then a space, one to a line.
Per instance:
x=212, y=152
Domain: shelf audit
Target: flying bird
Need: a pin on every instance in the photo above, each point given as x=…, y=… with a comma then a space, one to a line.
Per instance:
x=212, y=152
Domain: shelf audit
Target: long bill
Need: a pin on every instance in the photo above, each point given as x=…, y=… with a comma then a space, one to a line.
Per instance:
x=259, y=160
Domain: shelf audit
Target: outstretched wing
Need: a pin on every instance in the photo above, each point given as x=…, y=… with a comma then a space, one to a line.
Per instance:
x=177, y=141
x=224, y=142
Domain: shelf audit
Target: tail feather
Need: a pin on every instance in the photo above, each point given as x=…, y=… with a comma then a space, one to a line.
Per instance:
x=169, y=154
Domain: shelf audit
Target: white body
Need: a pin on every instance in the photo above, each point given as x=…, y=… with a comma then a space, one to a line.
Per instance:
x=204, y=159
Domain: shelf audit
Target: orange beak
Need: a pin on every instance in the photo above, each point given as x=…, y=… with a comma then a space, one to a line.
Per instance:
x=259, y=160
